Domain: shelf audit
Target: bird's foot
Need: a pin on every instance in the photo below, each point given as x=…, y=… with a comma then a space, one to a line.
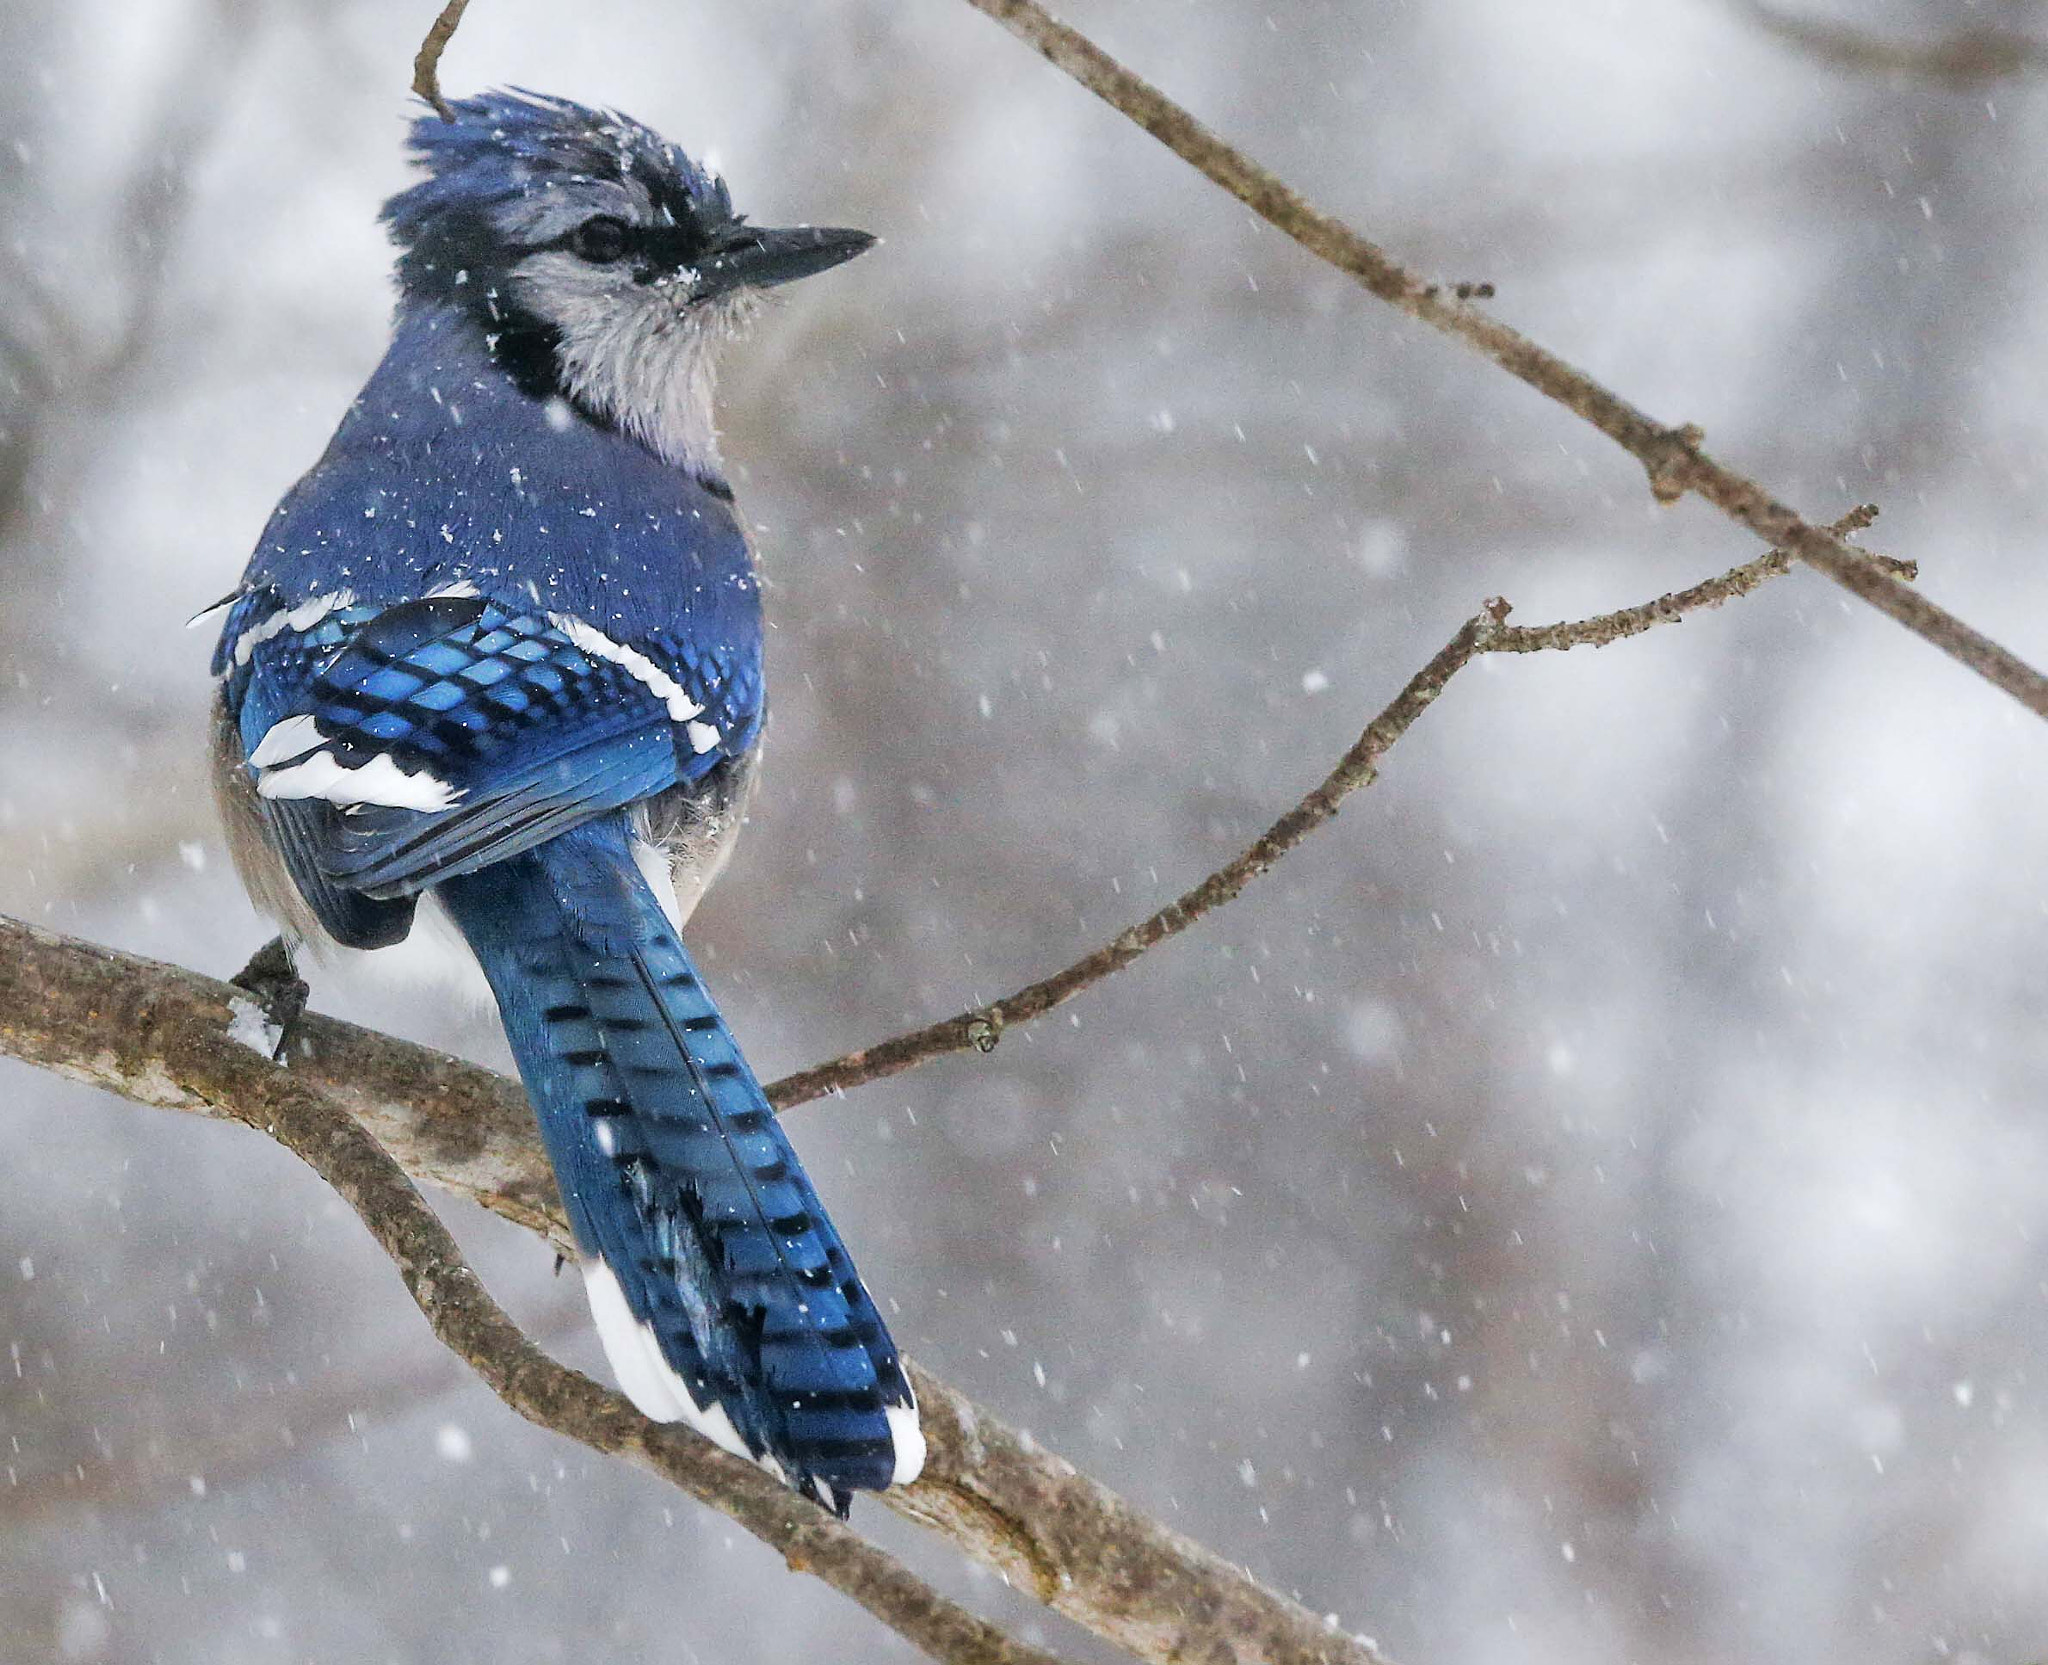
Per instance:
x=279, y=990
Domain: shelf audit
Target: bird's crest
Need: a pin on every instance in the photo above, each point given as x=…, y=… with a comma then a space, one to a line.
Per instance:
x=507, y=153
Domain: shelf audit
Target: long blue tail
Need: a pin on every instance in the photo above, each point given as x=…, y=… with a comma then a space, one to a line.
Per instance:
x=723, y=1293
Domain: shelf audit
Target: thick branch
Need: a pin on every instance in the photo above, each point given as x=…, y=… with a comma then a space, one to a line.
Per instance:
x=241, y=1082
x=1674, y=458
x=158, y=1034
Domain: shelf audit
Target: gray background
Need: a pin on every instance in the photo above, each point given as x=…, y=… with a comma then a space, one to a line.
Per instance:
x=1589, y=1206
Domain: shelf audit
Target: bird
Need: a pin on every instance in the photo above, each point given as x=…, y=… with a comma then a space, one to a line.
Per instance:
x=495, y=664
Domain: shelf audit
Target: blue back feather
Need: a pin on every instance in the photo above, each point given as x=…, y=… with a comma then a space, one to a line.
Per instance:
x=505, y=144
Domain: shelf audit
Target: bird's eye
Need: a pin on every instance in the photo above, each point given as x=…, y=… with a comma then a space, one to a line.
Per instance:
x=599, y=240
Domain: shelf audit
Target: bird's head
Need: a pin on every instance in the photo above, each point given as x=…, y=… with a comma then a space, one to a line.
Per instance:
x=604, y=259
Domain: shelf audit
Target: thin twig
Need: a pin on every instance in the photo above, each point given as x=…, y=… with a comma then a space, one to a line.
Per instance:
x=426, y=63
x=158, y=1035
x=1619, y=625
x=983, y=1026
x=1673, y=457
x=1963, y=61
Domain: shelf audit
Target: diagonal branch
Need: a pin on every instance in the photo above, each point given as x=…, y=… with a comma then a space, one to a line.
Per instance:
x=982, y=1027
x=159, y=1035
x=241, y=1082
x=1964, y=61
x=1674, y=458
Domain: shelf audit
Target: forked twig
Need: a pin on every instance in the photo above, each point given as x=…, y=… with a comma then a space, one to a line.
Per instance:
x=982, y=1027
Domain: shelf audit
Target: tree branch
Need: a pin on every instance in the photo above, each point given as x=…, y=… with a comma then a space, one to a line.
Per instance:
x=1625, y=622
x=237, y=1081
x=159, y=1035
x=982, y=1027
x=426, y=63
x=162, y=1036
x=1963, y=61
x=1674, y=458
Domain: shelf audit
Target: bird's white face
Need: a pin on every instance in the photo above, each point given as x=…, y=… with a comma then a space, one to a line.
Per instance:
x=608, y=266
x=637, y=350
x=608, y=271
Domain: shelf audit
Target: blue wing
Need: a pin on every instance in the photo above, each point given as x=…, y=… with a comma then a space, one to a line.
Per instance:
x=394, y=747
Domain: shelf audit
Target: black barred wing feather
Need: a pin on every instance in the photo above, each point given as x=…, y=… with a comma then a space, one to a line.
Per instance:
x=394, y=747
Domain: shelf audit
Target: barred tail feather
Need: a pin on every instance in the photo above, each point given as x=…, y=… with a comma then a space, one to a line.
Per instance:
x=722, y=1292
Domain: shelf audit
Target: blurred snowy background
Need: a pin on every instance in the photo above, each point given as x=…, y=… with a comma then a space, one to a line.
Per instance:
x=1591, y=1205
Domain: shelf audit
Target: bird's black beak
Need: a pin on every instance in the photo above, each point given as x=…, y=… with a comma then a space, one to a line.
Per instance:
x=756, y=258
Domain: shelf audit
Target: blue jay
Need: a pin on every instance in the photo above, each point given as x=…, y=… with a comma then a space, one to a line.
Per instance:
x=499, y=653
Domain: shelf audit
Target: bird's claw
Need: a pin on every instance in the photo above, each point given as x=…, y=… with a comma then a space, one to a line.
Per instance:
x=279, y=989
